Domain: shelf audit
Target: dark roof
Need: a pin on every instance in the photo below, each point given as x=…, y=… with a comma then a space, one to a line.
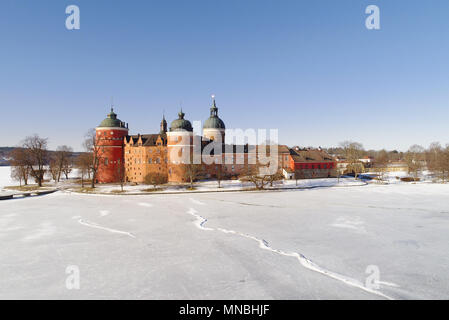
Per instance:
x=310, y=155
x=148, y=140
x=111, y=121
x=214, y=122
x=181, y=124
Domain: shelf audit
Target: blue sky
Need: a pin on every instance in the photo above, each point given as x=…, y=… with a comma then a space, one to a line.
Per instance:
x=309, y=68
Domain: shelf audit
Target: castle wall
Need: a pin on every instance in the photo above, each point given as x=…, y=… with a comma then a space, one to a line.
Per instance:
x=110, y=154
x=142, y=160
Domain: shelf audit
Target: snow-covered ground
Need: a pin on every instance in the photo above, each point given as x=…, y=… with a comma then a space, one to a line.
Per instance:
x=299, y=244
x=5, y=177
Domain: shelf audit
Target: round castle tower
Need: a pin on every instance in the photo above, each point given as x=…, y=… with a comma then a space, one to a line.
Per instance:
x=214, y=128
x=109, y=136
x=179, y=146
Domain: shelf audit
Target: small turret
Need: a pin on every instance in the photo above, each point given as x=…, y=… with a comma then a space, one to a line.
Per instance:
x=163, y=130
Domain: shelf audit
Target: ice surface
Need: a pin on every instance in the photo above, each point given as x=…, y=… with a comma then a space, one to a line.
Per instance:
x=299, y=244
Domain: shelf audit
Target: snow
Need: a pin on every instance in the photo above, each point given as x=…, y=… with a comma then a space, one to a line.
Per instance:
x=5, y=177
x=295, y=244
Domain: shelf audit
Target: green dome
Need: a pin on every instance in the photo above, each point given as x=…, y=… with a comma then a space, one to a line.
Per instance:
x=214, y=122
x=181, y=124
x=111, y=121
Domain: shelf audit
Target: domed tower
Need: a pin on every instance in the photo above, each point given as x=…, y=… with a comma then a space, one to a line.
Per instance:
x=179, y=147
x=109, y=141
x=214, y=128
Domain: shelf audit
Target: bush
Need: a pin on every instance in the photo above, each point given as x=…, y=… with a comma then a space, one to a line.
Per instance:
x=155, y=178
x=410, y=179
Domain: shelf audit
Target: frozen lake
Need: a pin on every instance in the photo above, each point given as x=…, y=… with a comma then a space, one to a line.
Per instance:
x=310, y=244
x=5, y=177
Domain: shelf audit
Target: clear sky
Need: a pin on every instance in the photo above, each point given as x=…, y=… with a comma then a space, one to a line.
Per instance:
x=309, y=68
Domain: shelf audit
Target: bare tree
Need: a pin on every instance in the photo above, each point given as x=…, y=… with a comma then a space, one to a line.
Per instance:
x=155, y=179
x=278, y=176
x=36, y=157
x=191, y=172
x=120, y=175
x=437, y=161
x=19, y=168
x=53, y=168
x=445, y=163
x=255, y=176
x=381, y=163
x=92, y=146
x=219, y=174
x=414, y=158
x=83, y=163
x=17, y=175
x=62, y=158
x=299, y=174
x=353, y=151
x=433, y=154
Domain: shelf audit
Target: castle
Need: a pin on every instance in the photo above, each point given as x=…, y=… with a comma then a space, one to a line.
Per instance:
x=169, y=153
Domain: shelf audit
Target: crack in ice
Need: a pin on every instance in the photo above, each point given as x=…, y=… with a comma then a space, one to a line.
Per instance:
x=200, y=221
x=94, y=225
x=304, y=261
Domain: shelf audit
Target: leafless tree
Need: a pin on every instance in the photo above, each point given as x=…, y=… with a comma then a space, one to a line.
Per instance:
x=83, y=163
x=62, y=157
x=53, y=168
x=299, y=174
x=93, y=146
x=155, y=179
x=19, y=168
x=277, y=176
x=414, y=158
x=219, y=174
x=353, y=151
x=255, y=176
x=191, y=172
x=36, y=157
x=17, y=175
x=120, y=175
x=380, y=164
x=437, y=161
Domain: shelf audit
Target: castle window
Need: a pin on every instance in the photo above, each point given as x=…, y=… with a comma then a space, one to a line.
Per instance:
x=105, y=161
x=150, y=161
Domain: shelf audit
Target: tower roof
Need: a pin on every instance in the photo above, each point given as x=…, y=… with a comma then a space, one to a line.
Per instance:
x=111, y=121
x=214, y=122
x=181, y=124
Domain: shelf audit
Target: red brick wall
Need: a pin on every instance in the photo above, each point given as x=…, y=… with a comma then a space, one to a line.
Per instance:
x=110, y=143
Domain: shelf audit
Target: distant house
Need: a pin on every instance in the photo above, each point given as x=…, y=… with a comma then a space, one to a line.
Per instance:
x=392, y=166
x=367, y=159
x=395, y=166
x=308, y=163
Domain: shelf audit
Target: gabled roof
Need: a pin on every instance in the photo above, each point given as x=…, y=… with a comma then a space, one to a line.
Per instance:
x=148, y=140
x=310, y=155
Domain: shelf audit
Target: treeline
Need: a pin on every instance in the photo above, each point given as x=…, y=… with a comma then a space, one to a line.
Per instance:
x=32, y=160
x=434, y=159
x=392, y=155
